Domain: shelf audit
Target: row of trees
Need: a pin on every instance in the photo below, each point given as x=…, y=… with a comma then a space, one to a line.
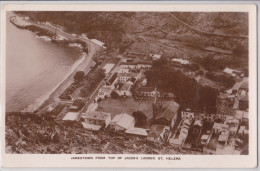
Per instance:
x=91, y=81
x=187, y=90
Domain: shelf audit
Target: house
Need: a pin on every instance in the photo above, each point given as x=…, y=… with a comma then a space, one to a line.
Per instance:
x=156, y=56
x=225, y=102
x=99, y=43
x=111, y=82
x=127, y=60
x=99, y=118
x=104, y=92
x=144, y=82
x=146, y=92
x=223, y=137
x=233, y=125
x=71, y=116
x=124, y=77
x=125, y=89
x=205, y=138
x=108, y=67
x=210, y=117
x=218, y=127
x=136, y=65
x=243, y=131
x=245, y=118
x=168, y=116
x=144, y=65
x=180, y=62
x=137, y=131
x=123, y=70
x=134, y=54
x=243, y=103
x=158, y=133
x=122, y=122
x=187, y=114
x=181, y=134
x=229, y=71
x=92, y=107
x=77, y=105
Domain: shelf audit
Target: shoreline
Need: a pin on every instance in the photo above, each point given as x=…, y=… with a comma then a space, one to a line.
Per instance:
x=81, y=64
x=40, y=101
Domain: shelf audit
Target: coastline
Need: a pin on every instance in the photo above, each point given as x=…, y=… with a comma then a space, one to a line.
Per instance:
x=83, y=64
x=39, y=101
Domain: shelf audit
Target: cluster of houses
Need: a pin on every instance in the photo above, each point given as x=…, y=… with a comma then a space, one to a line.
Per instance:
x=159, y=129
x=122, y=81
x=216, y=132
x=234, y=73
x=186, y=128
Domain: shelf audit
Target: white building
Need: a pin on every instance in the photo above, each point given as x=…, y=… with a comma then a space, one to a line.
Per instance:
x=156, y=56
x=108, y=67
x=97, y=118
x=122, y=122
x=125, y=89
x=99, y=43
x=180, y=61
x=124, y=77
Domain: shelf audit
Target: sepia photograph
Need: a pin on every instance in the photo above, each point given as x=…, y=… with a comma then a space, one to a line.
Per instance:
x=127, y=82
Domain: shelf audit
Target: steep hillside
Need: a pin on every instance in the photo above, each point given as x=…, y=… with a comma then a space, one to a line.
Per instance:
x=196, y=34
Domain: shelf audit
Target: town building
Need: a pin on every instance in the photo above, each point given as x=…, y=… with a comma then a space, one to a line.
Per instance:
x=125, y=89
x=104, y=92
x=136, y=65
x=209, y=117
x=156, y=56
x=108, y=67
x=92, y=107
x=179, y=62
x=181, y=134
x=146, y=92
x=111, y=82
x=158, y=133
x=122, y=122
x=99, y=43
x=167, y=116
x=99, y=118
x=137, y=131
x=124, y=77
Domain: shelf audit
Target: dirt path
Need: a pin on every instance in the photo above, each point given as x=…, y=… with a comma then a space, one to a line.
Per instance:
x=191, y=27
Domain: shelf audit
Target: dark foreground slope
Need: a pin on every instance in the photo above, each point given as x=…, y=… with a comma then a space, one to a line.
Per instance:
x=43, y=134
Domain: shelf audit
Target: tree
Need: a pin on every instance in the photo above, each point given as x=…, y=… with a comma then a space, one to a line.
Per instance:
x=140, y=118
x=79, y=76
x=114, y=95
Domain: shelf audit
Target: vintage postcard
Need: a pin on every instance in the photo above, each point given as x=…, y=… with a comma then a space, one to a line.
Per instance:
x=129, y=85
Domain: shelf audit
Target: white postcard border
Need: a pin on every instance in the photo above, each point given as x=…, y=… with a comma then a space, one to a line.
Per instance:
x=187, y=161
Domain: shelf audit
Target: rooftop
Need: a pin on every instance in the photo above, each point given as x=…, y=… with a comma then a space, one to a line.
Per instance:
x=126, y=87
x=156, y=131
x=108, y=67
x=123, y=120
x=146, y=89
x=71, y=116
x=112, y=79
x=97, y=115
x=91, y=126
x=181, y=61
x=97, y=42
x=131, y=74
x=136, y=131
x=170, y=111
